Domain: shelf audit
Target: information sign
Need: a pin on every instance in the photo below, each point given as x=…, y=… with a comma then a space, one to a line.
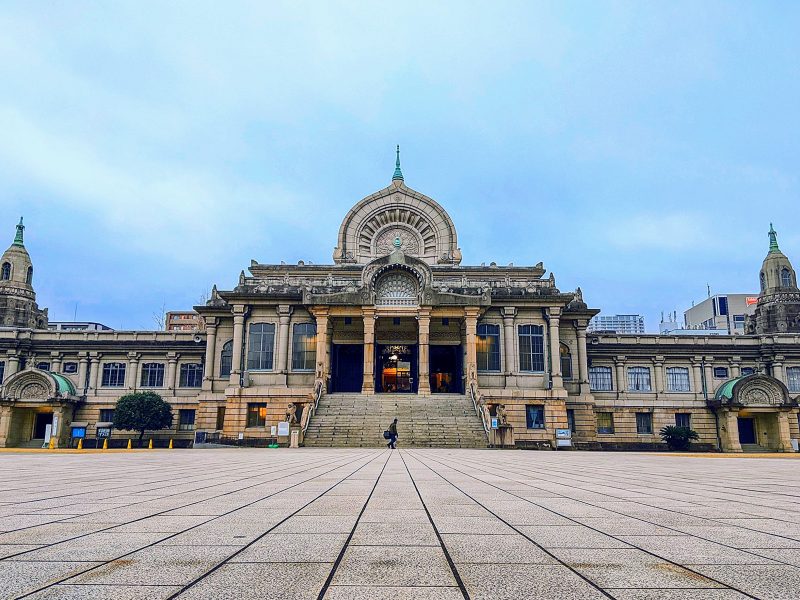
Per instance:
x=283, y=428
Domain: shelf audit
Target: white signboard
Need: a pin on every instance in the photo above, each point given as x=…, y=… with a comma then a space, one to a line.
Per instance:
x=54, y=430
x=283, y=428
x=241, y=436
x=47, y=434
x=273, y=431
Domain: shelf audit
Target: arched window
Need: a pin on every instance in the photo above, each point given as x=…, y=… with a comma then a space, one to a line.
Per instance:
x=786, y=277
x=6, y=272
x=566, y=362
x=226, y=359
x=29, y=277
x=396, y=289
x=763, y=282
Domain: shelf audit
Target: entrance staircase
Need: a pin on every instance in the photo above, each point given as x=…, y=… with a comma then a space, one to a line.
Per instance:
x=359, y=420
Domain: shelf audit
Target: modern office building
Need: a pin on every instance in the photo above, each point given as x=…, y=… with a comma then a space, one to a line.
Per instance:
x=726, y=312
x=617, y=323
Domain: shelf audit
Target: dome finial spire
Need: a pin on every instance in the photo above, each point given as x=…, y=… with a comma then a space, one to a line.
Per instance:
x=398, y=174
x=773, y=240
x=18, y=239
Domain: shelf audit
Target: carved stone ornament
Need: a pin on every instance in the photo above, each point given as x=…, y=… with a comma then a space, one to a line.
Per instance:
x=385, y=242
x=33, y=391
x=760, y=394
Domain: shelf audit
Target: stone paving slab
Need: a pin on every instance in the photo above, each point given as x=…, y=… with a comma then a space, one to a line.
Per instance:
x=423, y=524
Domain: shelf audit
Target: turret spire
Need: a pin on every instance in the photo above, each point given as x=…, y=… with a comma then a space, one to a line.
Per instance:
x=20, y=232
x=773, y=240
x=398, y=174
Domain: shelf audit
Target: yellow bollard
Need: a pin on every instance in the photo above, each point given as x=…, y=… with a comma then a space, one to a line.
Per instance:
x=150, y=445
x=105, y=443
x=52, y=445
x=170, y=444
x=129, y=445
x=80, y=444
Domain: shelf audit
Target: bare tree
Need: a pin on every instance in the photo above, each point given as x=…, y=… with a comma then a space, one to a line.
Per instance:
x=160, y=317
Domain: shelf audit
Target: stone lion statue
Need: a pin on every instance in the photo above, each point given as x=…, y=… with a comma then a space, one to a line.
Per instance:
x=291, y=413
x=500, y=413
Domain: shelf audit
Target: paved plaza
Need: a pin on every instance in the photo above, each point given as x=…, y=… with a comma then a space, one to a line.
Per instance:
x=422, y=524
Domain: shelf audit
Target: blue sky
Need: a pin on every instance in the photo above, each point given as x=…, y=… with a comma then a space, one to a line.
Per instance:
x=639, y=149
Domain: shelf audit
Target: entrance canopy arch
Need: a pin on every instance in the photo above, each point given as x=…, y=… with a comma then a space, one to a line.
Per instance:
x=32, y=385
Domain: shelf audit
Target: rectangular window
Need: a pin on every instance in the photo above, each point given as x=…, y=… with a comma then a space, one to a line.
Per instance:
x=677, y=379
x=605, y=422
x=304, y=347
x=683, y=420
x=152, y=375
x=226, y=359
x=720, y=372
x=113, y=374
x=644, y=423
x=534, y=415
x=43, y=366
x=70, y=367
x=566, y=362
x=260, y=348
x=793, y=379
x=257, y=414
x=488, y=343
x=639, y=379
x=600, y=379
x=191, y=375
x=106, y=415
x=185, y=419
x=571, y=419
x=531, y=348
x=220, y=417
x=2, y=370
x=748, y=370
x=723, y=305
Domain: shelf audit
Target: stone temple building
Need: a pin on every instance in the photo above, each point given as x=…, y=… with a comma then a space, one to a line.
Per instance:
x=463, y=355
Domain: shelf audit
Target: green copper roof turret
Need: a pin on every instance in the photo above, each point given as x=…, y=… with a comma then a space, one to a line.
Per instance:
x=398, y=174
x=773, y=240
x=20, y=230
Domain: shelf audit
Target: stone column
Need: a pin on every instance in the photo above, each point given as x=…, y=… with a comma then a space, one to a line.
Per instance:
x=172, y=360
x=777, y=368
x=509, y=358
x=622, y=381
x=708, y=371
x=736, y=366
x=132, y=371
x=211, y=352
x=284, y=314
x=729, y=431
x=60, y=430
x=323, y=364
x=784, y=432
x=583, y=360
x=471, y=342
x=5, y=425
x=55, y=362
x=12, y=366
x=555, y=348
x=423, y=372
x=83, y=368
x=658, y=371
x=238, y=337
x=94, y=370
x=368, y=385
x=697, y=377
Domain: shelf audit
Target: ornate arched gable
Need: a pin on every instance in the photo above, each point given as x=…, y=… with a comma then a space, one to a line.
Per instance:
x=756, y=391
x=423, y=228
x=36, y=385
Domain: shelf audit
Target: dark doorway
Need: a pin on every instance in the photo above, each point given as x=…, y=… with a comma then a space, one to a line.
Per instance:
x=747, y=431
x=445, y=369
x=40, y=424
x=396, y=369
x=347, y=368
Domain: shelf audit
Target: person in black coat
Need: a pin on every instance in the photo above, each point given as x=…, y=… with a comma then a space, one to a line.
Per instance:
x=393, y=435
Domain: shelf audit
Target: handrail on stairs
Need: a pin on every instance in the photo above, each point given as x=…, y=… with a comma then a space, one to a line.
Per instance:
x=311, y=407
x=477, y=403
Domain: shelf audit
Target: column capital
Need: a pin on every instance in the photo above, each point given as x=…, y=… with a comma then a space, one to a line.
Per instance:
x=509, y=312
x=239, y=310
x=285, y=310
x=554, y=311
x=211, y=322
x=320, y=311
x=472, y=312
x=368, y=311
